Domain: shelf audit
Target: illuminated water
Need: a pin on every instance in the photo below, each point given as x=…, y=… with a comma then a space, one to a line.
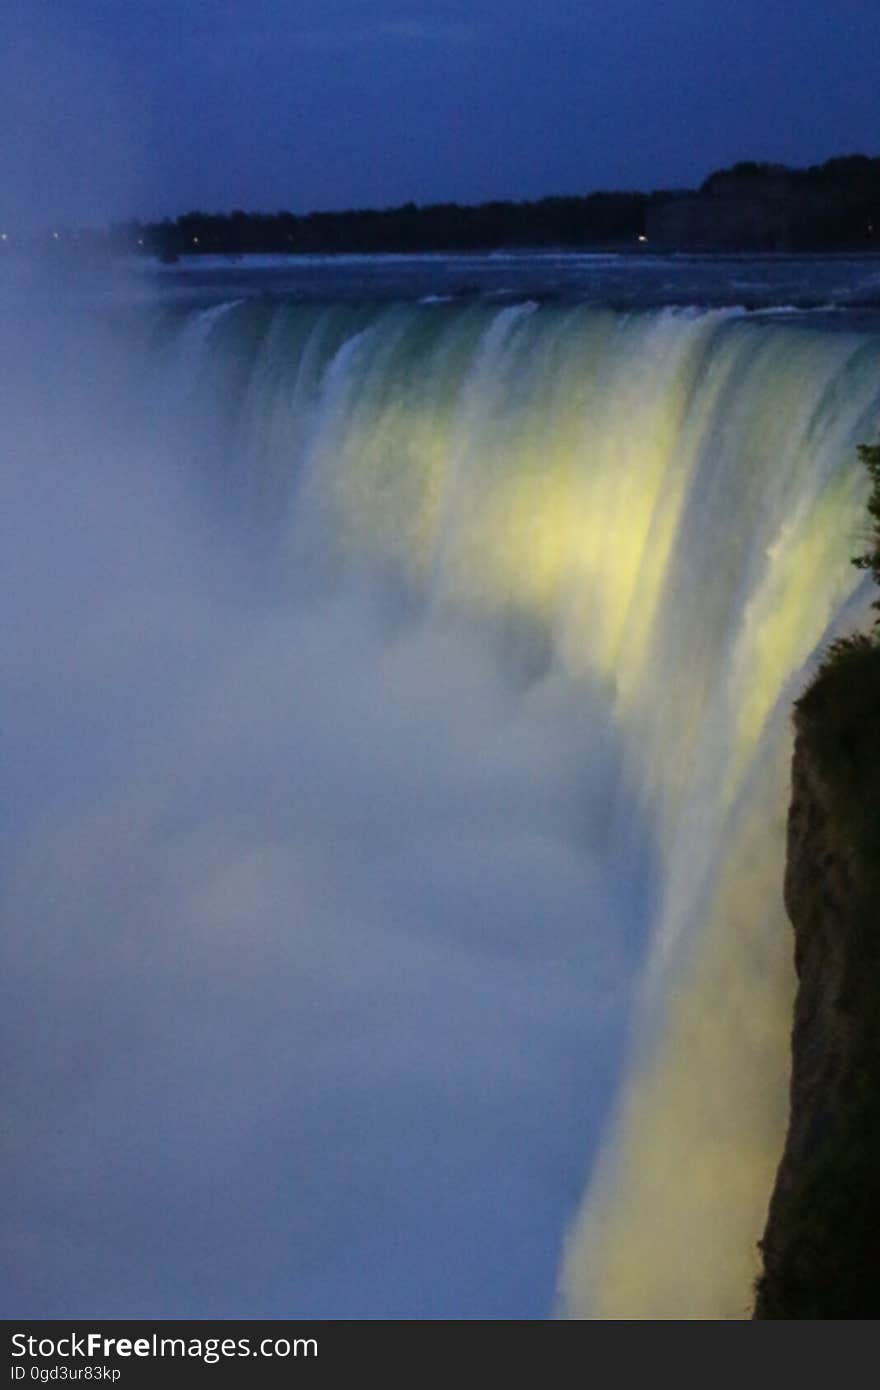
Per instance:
x=471, y=736
x=626, y=281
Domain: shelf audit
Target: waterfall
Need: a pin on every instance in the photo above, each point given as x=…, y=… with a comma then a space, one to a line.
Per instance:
x=429, y=861
x=664, y=502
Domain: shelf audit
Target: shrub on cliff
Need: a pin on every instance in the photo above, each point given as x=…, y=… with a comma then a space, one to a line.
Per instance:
x=870, y=560
x=843, y=700
x=821, y=1247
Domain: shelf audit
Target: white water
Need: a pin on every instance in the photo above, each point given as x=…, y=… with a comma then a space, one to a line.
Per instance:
x=667, y=501
x=553, y=573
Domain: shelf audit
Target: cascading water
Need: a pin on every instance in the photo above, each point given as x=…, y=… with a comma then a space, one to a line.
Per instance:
x=636, y=528
x=663, y=502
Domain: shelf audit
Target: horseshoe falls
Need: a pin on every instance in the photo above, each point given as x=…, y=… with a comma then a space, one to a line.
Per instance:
x=399, y=703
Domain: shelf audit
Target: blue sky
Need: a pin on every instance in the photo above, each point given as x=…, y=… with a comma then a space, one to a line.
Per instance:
x=170, y=105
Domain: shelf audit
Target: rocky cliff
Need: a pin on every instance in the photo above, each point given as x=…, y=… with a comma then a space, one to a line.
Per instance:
x=821, y=1246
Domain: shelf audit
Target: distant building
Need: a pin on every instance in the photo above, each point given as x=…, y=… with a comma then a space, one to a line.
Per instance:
x=732, y=212
x=719, y=224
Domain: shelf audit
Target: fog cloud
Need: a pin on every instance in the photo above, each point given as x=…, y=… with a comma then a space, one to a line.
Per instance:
x=309, y=987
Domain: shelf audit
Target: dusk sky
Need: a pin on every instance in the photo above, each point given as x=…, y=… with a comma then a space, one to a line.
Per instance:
x=111, y=109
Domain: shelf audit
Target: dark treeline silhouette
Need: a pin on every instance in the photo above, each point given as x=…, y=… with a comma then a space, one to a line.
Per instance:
x=769, y=207
x=597, y=218
x=749, y=207
x=853, y=177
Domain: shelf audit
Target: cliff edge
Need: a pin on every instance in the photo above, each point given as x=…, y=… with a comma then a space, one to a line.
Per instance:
x=821, y=1245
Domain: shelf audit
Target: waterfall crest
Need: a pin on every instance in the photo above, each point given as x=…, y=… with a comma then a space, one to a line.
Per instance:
x=663, y=502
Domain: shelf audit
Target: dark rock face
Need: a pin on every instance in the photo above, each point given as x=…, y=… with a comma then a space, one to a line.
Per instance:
x=821, y=1246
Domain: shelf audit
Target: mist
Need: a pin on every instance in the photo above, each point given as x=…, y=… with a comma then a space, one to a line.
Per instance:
x=310, y=1002
x=396, y=700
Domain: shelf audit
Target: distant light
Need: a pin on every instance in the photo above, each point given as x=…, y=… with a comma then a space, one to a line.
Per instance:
x=140, y=241
x=55, y=235
x=642, y=237
x=4, y=236
x=195, y=241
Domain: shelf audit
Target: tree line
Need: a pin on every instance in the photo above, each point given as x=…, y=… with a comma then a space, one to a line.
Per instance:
x=558, y=221
x=826, y=206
